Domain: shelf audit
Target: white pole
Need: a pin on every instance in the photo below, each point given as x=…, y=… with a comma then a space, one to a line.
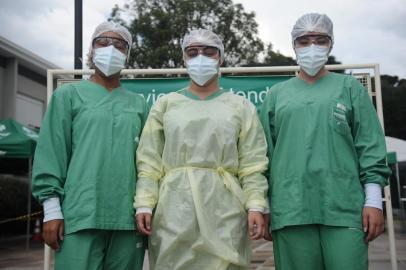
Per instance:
x=50, y=90
x=47, y=257
x=50, y=83
x=391, y=231
x=27, y=240
x=387, y=199
x=378, y=92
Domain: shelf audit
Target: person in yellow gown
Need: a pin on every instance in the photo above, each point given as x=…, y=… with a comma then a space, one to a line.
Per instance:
x=200, y=162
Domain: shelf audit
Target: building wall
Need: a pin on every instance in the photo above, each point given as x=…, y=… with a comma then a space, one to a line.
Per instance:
x=22, y=83
x=29, y=111
x=1, y=89
x=9, y=88
x=30, y=100
x=31, y=88
x=22, y=93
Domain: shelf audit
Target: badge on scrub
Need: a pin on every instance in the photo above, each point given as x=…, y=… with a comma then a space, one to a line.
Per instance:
x=339, y=112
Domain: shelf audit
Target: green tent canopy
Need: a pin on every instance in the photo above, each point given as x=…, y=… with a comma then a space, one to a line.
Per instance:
x=17, y=144
x=16, y=140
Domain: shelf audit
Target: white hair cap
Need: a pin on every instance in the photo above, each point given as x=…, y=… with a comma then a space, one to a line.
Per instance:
x=313, y=22
x=113, y=27
x=203, y=37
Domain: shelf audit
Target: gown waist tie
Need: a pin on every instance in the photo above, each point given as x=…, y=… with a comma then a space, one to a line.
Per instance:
x=229, y=179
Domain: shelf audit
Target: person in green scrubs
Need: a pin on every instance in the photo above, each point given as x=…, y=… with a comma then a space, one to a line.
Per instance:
x=200, y=163
x=84, y=167
x=327, y=160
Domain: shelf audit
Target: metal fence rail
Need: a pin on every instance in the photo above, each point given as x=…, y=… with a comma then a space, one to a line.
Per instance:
x=375, y=93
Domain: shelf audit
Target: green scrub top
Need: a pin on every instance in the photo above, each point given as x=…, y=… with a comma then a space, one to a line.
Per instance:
x=86, y=155
x=325, y=143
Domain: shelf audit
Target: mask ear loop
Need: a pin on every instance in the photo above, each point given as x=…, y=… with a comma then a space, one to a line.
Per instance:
x=90, y=56
x=331, y=48
x=92, y=53
x=221, y=61
x=128, y=55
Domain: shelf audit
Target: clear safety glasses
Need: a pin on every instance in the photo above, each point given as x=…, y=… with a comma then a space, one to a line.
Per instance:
x=118, y=43
x=307, y=40
x=194, y=51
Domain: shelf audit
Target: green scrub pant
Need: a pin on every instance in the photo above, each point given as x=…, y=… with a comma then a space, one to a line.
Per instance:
x=319, y=247
x=101, y=250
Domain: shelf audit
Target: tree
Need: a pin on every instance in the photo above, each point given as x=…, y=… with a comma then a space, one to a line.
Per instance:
x=273, y=58
x=332, y=60
x=158, y=27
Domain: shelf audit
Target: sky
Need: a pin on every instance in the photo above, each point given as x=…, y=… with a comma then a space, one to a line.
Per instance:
x=365, y=31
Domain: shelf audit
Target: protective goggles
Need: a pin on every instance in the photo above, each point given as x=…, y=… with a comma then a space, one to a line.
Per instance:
x=307, y=40
x=118, y=43
x=194, y=51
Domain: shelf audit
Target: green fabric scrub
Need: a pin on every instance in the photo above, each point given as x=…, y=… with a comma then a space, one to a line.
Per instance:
x=101, y=250
x=325, y=143
x=319, y=247
x=86, y=155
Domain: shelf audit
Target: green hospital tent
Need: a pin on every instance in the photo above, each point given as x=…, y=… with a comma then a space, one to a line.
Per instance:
x=16, y=140
x=17, y=147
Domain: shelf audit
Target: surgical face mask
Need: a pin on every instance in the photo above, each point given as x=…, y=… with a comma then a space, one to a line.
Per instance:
x=109, y=60
x=202, y=68
x=312, y=58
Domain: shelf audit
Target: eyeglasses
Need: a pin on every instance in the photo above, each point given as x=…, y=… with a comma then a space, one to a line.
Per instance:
x=118, y=43
x=208, y=51
x=306, y=41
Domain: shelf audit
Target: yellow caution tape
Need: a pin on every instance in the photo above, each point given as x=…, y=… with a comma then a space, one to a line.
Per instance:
x=21, y=218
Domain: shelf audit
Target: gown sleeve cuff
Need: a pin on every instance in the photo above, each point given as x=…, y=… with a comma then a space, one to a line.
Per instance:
x=256, y=209
x=373, y=195
x=143, y=210
x=52, y=209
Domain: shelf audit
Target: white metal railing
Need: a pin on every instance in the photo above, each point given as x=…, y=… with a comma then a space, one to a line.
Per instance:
x=51, y=73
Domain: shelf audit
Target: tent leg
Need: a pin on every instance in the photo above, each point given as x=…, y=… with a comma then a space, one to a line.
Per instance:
x=401, y=206
x=27, y=242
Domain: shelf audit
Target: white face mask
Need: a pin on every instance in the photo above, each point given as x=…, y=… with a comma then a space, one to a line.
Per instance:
x=109, y=60
x=202, y=68
x=311, y=59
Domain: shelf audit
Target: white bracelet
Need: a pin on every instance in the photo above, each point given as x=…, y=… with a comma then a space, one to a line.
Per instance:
x=52, y=209
x=373, y=195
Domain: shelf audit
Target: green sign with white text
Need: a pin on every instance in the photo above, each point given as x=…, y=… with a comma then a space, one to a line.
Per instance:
x=254, y=88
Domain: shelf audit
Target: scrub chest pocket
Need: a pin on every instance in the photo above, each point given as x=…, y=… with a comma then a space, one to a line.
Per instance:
x=339, y=118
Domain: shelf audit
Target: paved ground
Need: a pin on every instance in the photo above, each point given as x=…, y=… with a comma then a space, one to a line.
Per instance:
x=13, y=255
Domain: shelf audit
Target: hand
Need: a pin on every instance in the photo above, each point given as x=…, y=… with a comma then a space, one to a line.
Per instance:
x=143, y=221
x=372, y=222
x=53, y=233
x=267, y=221
x=255, y=225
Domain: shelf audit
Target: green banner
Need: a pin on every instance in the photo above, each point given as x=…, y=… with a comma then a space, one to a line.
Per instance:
x=253, y=88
